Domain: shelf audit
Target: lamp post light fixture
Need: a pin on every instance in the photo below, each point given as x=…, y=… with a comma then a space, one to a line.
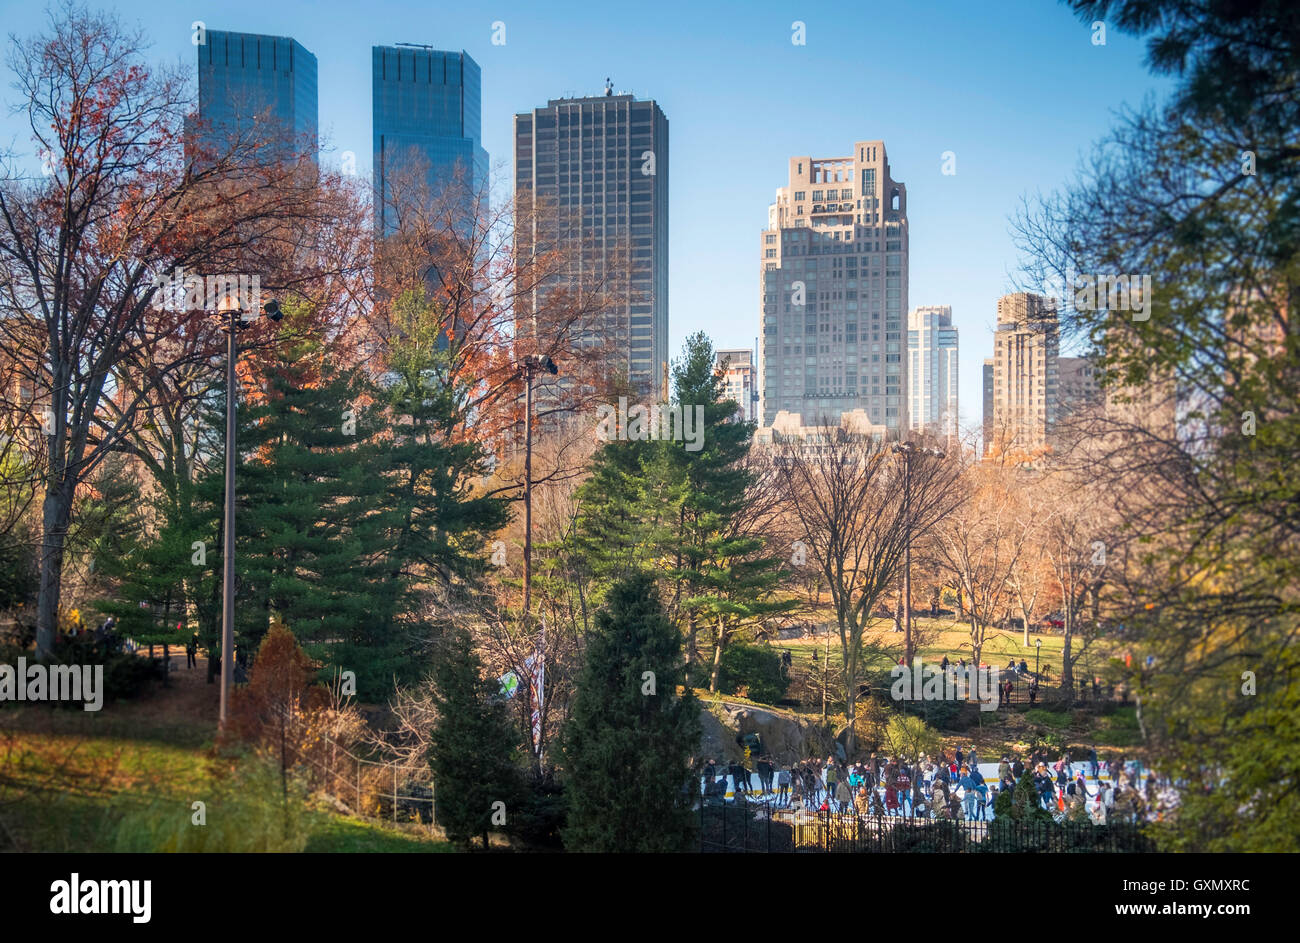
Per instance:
x=530, y=365
x=908, y=451
x=1038, y=647
x=230, y=311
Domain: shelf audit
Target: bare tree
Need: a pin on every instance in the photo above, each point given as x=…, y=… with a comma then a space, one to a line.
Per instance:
x=129, y=195
x=980, y=544
x=846, y=493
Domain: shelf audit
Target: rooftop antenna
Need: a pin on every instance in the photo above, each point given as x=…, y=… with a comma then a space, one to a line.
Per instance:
x=609, y=87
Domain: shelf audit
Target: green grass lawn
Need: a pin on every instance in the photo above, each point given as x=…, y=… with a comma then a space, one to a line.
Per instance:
x=69, y=779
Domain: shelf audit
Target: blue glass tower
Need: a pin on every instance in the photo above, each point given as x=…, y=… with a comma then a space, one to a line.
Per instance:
x=427, y=108
x=246, y=80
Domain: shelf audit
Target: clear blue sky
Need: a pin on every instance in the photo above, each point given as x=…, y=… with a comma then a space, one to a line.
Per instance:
x=1016, y=89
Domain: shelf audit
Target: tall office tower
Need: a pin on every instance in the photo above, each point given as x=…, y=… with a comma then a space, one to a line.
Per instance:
x=932, y=371
x=248, y=81
x=602, y=163
x=833, y=282
x=740, y=380
x=986, y=442
x=1025, y=372
x=426, y=118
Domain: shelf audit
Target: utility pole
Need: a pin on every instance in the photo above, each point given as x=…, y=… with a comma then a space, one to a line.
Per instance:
x=529, y=365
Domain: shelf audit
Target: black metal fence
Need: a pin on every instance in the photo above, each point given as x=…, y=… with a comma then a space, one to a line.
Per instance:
x=759, y=828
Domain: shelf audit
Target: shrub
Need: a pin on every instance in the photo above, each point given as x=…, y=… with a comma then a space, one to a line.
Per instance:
x=756, y=668
x=125, y=675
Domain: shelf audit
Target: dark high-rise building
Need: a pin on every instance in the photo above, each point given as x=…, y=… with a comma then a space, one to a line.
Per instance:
x=247, y=80
x=427, y=108
x=603, y=161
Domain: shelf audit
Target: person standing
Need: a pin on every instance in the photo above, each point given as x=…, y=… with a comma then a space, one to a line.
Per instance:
x=843, y=797
x=192, y=651
x=783, y=787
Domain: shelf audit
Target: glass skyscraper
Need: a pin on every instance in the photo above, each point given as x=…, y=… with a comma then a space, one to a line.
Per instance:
x=932, y=371
x=427, y=108
x=246, y=79
x=603, y=161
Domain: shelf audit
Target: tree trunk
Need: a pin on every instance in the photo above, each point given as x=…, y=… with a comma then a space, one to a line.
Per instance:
x=56, y=513
x=690, y=650
x=717, y=663
x=1067, y=671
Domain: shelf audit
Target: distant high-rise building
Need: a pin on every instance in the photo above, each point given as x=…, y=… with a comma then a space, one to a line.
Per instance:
x=833, y=278
x=1076, y=384
x=740, y=380
x=248, y=82
x=427, y=114
x=987, y=439
x=932, y=371
x=1026, y=344
x=602, y=162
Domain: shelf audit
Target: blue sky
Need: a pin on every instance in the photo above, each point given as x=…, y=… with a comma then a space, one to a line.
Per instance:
x=1018, y=93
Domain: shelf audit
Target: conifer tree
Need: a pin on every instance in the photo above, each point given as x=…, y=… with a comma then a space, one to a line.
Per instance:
x=630, y=737
x=472, y=746
x=312, y=519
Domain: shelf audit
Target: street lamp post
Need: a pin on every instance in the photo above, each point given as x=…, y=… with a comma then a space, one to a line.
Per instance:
x=530, y=365
x=1038, y=647
x=230, y=310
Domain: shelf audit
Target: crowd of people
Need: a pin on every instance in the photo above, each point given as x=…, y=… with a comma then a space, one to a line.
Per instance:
x=947, y=786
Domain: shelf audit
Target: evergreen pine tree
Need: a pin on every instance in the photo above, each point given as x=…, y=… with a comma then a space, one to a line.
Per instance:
x=312, y=520
x=439, y=523
x=629, y=739
x=727, y=579
x=472, y=745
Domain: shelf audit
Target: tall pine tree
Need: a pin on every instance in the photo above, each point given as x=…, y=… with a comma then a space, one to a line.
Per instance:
x=629, y=739
x=312, y=519
x=472, y=745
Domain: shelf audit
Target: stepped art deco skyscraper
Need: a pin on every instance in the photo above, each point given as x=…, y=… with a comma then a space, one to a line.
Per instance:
x=603, y=162
x=833, y=279
x=1026, y=345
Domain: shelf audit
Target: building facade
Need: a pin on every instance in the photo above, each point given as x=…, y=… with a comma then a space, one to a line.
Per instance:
x=602, y=162
x=833, y=283
x=740, y=380
x=259, y=88
x=932, y=371
x=427, y=118
x=986, y=440
x=1026, y=345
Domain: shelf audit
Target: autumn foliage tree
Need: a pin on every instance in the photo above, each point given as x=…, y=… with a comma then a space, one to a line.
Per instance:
x=127, y=196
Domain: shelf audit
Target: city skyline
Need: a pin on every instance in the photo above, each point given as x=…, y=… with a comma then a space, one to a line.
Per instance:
x=1010, y=138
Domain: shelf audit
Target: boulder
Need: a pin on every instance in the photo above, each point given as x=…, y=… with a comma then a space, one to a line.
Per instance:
x=785, y=738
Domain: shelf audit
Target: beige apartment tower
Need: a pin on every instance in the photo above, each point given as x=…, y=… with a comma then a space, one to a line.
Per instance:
x=833, y=279
x=1026, y=345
